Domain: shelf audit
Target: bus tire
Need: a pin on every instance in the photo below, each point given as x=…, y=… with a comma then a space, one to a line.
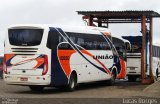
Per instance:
x=132, y=78
x=72, y=82
x=113, y=78
x=36, y=88
x=157, y=72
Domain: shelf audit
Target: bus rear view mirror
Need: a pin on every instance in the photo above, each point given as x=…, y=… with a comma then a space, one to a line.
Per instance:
x=128, y=46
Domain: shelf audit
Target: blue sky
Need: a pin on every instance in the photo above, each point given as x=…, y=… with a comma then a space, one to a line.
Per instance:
x=63, y=12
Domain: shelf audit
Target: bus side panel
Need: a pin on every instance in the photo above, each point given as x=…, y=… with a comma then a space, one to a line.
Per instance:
x=58, y=77
x=155, y=66
x=122, y=73
x=117, y=64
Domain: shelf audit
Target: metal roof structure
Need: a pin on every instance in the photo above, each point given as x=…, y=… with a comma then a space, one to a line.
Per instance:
x=104, y=18
x=118, y=16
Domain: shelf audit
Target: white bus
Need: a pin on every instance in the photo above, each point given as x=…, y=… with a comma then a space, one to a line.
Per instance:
x=134, y=59
x=44, y=55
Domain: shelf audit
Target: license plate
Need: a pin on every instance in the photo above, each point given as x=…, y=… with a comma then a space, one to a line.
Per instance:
x=24, y=79
x=132, y=68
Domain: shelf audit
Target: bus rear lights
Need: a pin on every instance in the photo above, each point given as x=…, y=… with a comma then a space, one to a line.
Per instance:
x=4, y=66
x=45, y=70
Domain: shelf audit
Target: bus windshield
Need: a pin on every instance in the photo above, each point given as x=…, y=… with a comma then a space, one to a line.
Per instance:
x=136, y=43
x=120, y=47
x=25, y=37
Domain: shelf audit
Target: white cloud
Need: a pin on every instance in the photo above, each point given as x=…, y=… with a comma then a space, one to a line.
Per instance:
x=64, y=12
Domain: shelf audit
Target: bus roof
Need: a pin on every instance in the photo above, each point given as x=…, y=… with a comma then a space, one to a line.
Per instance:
x=133, y=39
x=156, y=44
x=77, y=29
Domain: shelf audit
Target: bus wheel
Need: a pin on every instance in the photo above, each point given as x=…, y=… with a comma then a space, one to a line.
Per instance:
x=113, y=78
x=72, y=82
x=157, y=75
x=36, y=88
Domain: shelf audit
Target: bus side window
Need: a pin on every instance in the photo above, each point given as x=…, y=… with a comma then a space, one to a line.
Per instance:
x=80, y=42
x=102, y=44
x=52, y=41
x=54, y=38
x=65, y=46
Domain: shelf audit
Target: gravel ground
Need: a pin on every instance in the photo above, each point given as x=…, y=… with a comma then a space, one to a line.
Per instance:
x=93, y=93
x=121, y=89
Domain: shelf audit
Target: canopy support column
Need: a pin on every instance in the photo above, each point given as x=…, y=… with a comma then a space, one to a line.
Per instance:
x=143, y=53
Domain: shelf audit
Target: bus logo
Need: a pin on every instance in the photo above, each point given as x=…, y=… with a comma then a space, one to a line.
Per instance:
x=103, y=56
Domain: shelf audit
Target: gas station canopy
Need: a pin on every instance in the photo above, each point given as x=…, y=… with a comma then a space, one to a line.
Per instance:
x=117, y=16
x=104, y=18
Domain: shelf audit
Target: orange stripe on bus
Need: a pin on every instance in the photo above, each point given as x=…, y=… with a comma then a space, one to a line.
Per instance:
x=40, y=61
x=122, y=73
x=106, y=33
x=65, y=63
x=9, y=56
x=106, y=69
